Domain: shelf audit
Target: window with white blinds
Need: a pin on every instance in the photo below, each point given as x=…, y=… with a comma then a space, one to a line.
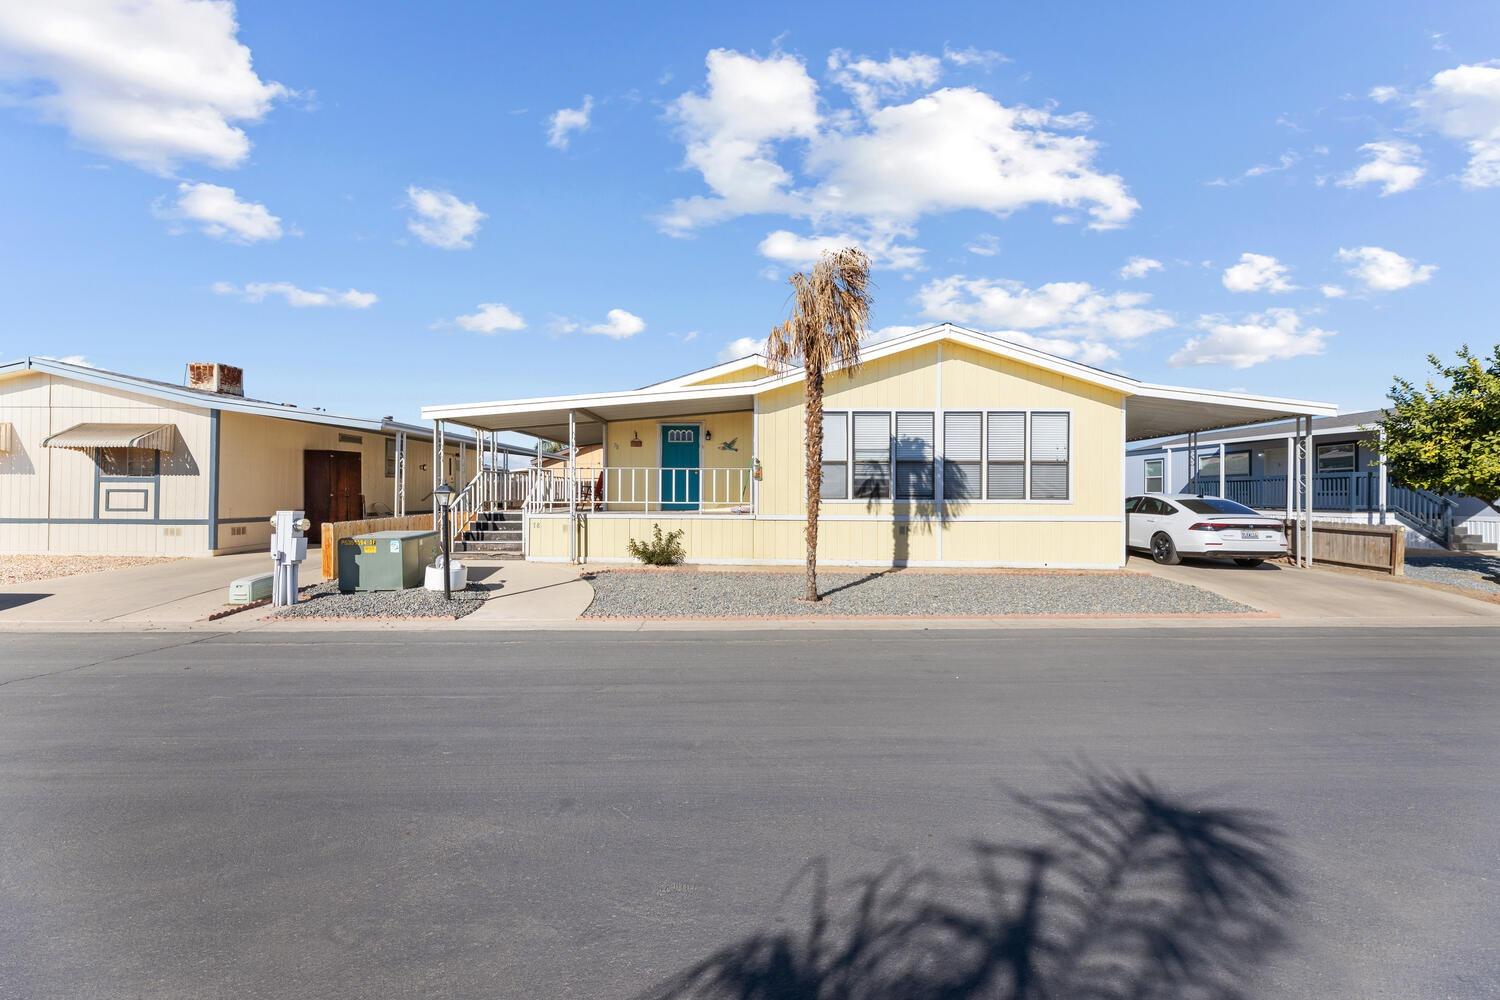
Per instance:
x=872, y=455
x=962, y=457
x=1049, y=456
x=1006, y=456
x=835, y=456
x=915, y=451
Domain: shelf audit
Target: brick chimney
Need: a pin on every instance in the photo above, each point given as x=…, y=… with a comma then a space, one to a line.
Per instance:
x=210, y=376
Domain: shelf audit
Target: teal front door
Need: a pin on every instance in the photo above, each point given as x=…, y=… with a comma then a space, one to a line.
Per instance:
x=679, y=467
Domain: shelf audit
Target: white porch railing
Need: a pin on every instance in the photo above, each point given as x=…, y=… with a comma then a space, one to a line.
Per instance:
x=726, y=491
x=655, y=488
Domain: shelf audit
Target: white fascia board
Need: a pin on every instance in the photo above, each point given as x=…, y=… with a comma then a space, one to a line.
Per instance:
x=205, y=401
x=713, y=371
x=672, y=392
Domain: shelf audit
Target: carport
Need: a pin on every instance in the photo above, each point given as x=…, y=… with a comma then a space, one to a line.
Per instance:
x=1158, y=411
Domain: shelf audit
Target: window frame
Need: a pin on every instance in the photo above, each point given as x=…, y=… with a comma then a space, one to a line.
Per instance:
x=1353, y=447
x=846, y=462
x=127, y=475
x=890, y=454
x=1160, y=475
x=897, y=461
x=939, y=458
x=1067, y=463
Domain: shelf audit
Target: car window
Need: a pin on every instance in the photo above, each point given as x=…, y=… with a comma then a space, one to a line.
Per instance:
x=1215, y=505
x=1150, y=506
x=1130, y=503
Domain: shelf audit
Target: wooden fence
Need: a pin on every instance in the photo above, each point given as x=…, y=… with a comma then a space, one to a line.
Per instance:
x=1378, y=547
x=333, y=531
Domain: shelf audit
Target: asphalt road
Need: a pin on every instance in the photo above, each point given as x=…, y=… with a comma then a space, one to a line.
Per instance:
x=390, y=815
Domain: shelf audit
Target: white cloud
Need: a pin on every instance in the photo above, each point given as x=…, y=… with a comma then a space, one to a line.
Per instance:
x=1069, y=310
x=983, y=58
x=1463, y=104
x=1257, y=272
x=984, y=245
x=1274, y=335
x=803, y=251
x=220, y=213
x=69, y=359
x=1382, y=270
x=152, y=82
x=1139, y=267
x=1333, y=291
x=618, y=324
x=1285, y=161
x=741, y=346
x=1396, y=166
x=1384, y=94
x=565, y=121
x=869, y=81
x=490, y=317
x=876, y=169
x=441, y=219
x=301, y=298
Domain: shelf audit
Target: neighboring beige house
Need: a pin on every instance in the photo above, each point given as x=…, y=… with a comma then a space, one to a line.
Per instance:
x=946, y=448
x=93, y=461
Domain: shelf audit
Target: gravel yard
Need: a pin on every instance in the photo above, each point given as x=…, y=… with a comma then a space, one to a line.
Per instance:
x=1476, y=571
x=29, y=569
x=689, y=594
x=325, y=601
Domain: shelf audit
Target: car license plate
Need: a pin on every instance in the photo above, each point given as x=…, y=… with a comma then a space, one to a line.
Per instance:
x=1252, y=535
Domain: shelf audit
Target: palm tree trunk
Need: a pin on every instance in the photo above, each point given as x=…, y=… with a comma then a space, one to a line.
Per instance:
x=812, y=387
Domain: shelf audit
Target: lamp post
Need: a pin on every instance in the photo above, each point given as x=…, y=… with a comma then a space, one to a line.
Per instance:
x=443, y=495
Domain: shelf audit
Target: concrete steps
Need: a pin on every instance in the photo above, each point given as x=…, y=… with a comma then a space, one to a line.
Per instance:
x=1464, y=541
x=493, y=533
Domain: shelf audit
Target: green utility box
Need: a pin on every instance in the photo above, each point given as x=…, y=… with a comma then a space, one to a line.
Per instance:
x=386, y=560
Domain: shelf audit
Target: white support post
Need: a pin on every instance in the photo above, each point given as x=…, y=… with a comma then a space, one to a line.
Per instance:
x=1383, y=479
x=1291, y=462
x=572, y=487
x=1221, y=471
x=437, y=462
x=1166, y=466
x=1312, y=487
x=400, y=473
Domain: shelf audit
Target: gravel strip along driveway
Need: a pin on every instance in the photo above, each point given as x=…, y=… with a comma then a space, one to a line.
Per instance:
x=908, y=593
x=29, y=569
x=1477, y=572
x=325, y=601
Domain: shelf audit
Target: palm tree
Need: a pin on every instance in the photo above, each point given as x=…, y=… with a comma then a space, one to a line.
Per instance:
x=830, y=313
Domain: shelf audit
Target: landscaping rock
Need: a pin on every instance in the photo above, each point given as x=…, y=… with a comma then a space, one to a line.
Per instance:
x=325, y=601
x=636, y=594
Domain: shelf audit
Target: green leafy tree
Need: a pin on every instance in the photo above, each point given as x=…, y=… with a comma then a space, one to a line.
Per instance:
x=1445, y=437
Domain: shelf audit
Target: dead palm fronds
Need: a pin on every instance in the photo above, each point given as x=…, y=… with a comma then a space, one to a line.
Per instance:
x=829, y=319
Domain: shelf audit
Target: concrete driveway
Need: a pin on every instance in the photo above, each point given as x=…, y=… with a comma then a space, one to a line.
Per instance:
x=173, y=593
x=1327, y=596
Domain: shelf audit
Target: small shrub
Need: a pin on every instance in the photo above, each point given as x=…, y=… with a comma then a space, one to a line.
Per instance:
x=661, y=550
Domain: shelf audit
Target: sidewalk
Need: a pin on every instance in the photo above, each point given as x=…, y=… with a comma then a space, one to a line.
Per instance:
x=546, y=596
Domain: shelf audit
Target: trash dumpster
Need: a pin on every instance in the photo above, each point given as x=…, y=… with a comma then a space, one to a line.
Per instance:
x=385, y=560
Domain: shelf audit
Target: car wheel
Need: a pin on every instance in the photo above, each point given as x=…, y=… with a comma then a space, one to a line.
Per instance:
x=1248, y=563
x=1163, y=551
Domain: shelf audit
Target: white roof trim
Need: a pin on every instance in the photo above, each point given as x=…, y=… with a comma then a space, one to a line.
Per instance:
x=672, y=391
x=214, y=401
x=714, y=371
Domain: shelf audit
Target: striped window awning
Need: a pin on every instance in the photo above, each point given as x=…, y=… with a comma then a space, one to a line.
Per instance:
x=85, y=437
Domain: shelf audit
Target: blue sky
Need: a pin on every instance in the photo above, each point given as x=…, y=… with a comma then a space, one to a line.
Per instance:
x=373, y=207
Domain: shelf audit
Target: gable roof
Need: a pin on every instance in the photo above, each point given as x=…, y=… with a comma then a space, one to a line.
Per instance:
x=208, y=400
x=1161, y=410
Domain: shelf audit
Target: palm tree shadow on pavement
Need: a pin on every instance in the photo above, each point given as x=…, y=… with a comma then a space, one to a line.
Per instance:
x=1131, y=893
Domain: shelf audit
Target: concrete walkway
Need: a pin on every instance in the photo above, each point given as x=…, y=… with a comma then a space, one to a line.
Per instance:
x=165, y=594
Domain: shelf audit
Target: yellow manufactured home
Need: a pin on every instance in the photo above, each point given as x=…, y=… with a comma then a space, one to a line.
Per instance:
x=946, y=447
x=93, y=461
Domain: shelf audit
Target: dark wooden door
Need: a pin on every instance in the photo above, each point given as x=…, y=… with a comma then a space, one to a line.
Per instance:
x=331, y=488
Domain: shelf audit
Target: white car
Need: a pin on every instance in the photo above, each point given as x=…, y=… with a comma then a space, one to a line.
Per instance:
x=1173, y=525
